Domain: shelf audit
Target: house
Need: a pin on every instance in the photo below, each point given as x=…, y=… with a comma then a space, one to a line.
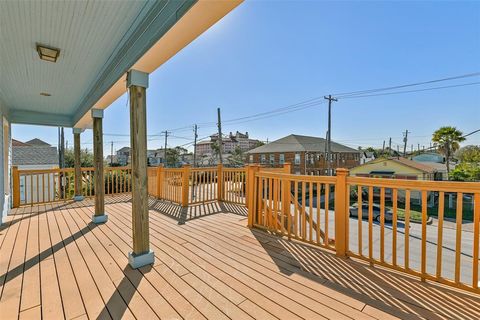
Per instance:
x=34, y=155
x=229, y=143
x=397, y=168
x=366, y=156
x=123, y=156
x=306, y=154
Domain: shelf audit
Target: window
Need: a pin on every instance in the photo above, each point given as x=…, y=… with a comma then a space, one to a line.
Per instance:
x=281, y=158
x=262, y=158
x=251, y=158
x=297, y=158
x=272, y=159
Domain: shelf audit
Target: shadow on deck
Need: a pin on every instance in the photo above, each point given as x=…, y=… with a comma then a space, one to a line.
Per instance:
x=401, y=295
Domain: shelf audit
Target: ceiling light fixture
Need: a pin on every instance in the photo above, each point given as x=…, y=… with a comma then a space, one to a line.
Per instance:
x=48, y=53
x=45, y=94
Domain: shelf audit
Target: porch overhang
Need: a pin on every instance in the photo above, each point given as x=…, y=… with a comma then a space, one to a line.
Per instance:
x=156, y=33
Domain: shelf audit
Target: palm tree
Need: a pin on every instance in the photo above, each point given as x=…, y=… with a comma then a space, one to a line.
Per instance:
x=448, y=141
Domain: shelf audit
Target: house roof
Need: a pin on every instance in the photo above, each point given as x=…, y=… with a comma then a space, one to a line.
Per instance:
x=16, y=143
x=423, y=167
x=298, y=143
x=34, y=155
x=37, y=142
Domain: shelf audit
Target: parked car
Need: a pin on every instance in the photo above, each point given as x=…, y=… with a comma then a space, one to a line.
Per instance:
x=375, y=210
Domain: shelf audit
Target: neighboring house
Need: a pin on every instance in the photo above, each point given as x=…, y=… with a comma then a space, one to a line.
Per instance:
x=229, y=143
x=398, y=168
x=366, y=156
x=401, y=168
x=123, y=156
x=306, y=154
x=35, y=155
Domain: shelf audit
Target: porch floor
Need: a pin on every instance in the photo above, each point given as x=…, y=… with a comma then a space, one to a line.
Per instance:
x=55, y=264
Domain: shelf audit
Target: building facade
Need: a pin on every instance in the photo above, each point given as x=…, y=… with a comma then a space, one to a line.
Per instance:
x=306, y=154
x=229, y=143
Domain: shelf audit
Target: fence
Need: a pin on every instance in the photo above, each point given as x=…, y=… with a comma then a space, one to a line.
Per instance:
x=315, y=209
x=50, y=185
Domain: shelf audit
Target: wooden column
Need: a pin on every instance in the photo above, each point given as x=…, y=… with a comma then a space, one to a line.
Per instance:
x=137, y=82
x=77, y=164
x=99, y=216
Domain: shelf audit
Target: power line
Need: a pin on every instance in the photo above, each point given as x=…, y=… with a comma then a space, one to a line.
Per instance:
x=468, y=75
x=410, y=91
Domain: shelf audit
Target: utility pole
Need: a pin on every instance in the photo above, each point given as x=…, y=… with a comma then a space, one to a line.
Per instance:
x=220, y=142
x=165, y=149
x=383, y=148
x=195, y=147
x=111, y=154
x=390, y=146
x=418, y=147
x=329, y=135
x=405, y=139
x=411, y=149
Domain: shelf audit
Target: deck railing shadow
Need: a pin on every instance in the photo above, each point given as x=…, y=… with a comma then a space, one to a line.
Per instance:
x=398, y=294
x=194, y=211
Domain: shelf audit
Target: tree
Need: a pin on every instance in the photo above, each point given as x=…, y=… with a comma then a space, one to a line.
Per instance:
x=469, y=167
x=86, y=158
x=238, y=157
x=448, y=141
x=468, y=154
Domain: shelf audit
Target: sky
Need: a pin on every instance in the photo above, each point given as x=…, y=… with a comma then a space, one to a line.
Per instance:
x=265, y=55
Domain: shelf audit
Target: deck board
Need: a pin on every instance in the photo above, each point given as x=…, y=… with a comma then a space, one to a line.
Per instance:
x=55, y=264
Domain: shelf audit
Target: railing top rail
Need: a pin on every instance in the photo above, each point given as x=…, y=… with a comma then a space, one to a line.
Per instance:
x=204, y=169
x=56, y=170
x=173, y=169
x=421, y=185
x=296, y=177
x=242, y=169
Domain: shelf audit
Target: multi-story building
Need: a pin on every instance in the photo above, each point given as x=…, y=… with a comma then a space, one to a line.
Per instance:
x=229, y=143
x=306, y=154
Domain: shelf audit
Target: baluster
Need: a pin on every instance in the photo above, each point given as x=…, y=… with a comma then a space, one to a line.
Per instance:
x=441, y=207
x=360, y=218
x=394, y=226
x=458, y=241
x=407, y=229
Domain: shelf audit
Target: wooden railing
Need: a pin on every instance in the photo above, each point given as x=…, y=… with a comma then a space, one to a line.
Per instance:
x=315, y=209
x=50, y=185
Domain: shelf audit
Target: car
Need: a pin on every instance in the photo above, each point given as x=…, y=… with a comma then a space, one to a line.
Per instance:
x=375, y=210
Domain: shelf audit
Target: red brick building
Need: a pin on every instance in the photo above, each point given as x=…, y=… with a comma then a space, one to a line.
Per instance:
x=306, y=154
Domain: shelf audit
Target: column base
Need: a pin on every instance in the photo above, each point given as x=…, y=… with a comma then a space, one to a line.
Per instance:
x=100, y=219
x=137, y=261
x=78, y=198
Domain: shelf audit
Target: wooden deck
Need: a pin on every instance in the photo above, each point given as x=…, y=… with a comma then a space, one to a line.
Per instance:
x=55, y=264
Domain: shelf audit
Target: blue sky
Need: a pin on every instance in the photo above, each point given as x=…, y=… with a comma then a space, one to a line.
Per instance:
x=270, y=54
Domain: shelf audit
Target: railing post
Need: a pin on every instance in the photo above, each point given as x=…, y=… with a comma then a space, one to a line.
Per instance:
x=16, y=187
x=159, y=181
x=341, y=216
x=185, y=184
x=220, y=182
x=287, y=167
x=251, y=171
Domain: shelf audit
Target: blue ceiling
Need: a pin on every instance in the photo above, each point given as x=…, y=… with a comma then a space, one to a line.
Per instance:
x=98, y=41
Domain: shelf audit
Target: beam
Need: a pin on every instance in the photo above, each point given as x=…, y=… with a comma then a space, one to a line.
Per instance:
x=99, y=216
x=39, y=118
x=137, y=82
x=77, y=164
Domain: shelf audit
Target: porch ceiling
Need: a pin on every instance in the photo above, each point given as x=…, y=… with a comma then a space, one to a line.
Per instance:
x=98, y=40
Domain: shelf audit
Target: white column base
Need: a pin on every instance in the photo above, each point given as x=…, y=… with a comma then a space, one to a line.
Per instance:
x=100, y=219
x=78, y=198
x=137, y=261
